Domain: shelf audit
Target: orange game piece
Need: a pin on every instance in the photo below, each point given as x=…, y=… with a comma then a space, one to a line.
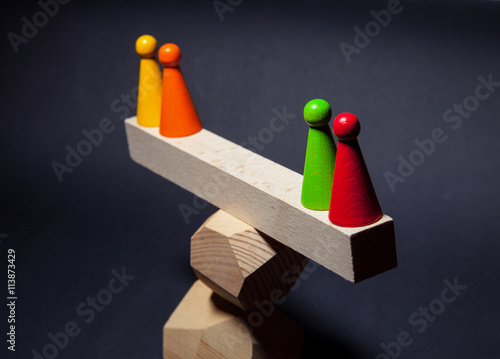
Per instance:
x=178, y=114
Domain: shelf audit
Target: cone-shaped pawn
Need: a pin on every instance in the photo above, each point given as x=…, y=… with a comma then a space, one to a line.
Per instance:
x=320, y=157
x=149, y=96
x=178, y=114
x=354, y=202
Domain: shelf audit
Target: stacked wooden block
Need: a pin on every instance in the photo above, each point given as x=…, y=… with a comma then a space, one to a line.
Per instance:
x=230, y=311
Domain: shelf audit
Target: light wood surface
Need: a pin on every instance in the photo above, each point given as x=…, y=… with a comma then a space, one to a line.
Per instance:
x=206, y=326
x=265, y=195
x=242, y=265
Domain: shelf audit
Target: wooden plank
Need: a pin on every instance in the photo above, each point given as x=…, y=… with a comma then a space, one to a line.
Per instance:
x=265, y=195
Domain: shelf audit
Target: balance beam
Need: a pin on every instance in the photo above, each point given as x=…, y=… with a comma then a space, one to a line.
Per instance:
x=265, y=195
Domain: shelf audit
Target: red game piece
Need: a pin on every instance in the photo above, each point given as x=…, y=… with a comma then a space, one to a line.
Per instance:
x=354, y=202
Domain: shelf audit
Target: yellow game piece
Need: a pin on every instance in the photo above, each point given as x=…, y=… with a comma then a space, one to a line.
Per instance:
x=150, y=83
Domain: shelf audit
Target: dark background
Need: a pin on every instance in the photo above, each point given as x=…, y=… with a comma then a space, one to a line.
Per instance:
x=111, y=213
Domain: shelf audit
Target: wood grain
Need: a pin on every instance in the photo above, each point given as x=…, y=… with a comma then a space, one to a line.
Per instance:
x=241, y=264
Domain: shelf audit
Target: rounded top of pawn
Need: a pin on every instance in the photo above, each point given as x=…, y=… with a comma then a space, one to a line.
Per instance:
x=169, y=55
x=346, y=126
x=146, y=46
x=317, y=113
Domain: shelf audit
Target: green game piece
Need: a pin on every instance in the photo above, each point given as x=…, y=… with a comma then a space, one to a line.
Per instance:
x=320, y=157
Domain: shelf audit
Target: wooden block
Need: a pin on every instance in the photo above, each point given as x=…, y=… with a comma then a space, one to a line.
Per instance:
x=206, y=326
x=241, y=264
x=265, y=195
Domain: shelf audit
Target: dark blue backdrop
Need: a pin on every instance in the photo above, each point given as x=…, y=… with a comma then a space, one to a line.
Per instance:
x=419, y=73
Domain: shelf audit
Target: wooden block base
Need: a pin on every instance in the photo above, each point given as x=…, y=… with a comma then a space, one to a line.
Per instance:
x=205, y=325
x=241, y=264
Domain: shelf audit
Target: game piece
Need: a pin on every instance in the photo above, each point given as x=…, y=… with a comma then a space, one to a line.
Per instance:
x=354, y=202
x=249, y=267
x=150, y=83
x=204, y=325
x=320, y=157
x=264, y=195
x=178, y=114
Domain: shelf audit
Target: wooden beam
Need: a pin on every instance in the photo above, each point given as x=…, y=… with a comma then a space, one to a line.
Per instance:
x=265, y=195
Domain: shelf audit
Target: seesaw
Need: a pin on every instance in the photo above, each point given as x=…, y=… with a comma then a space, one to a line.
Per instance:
x=263, y=231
